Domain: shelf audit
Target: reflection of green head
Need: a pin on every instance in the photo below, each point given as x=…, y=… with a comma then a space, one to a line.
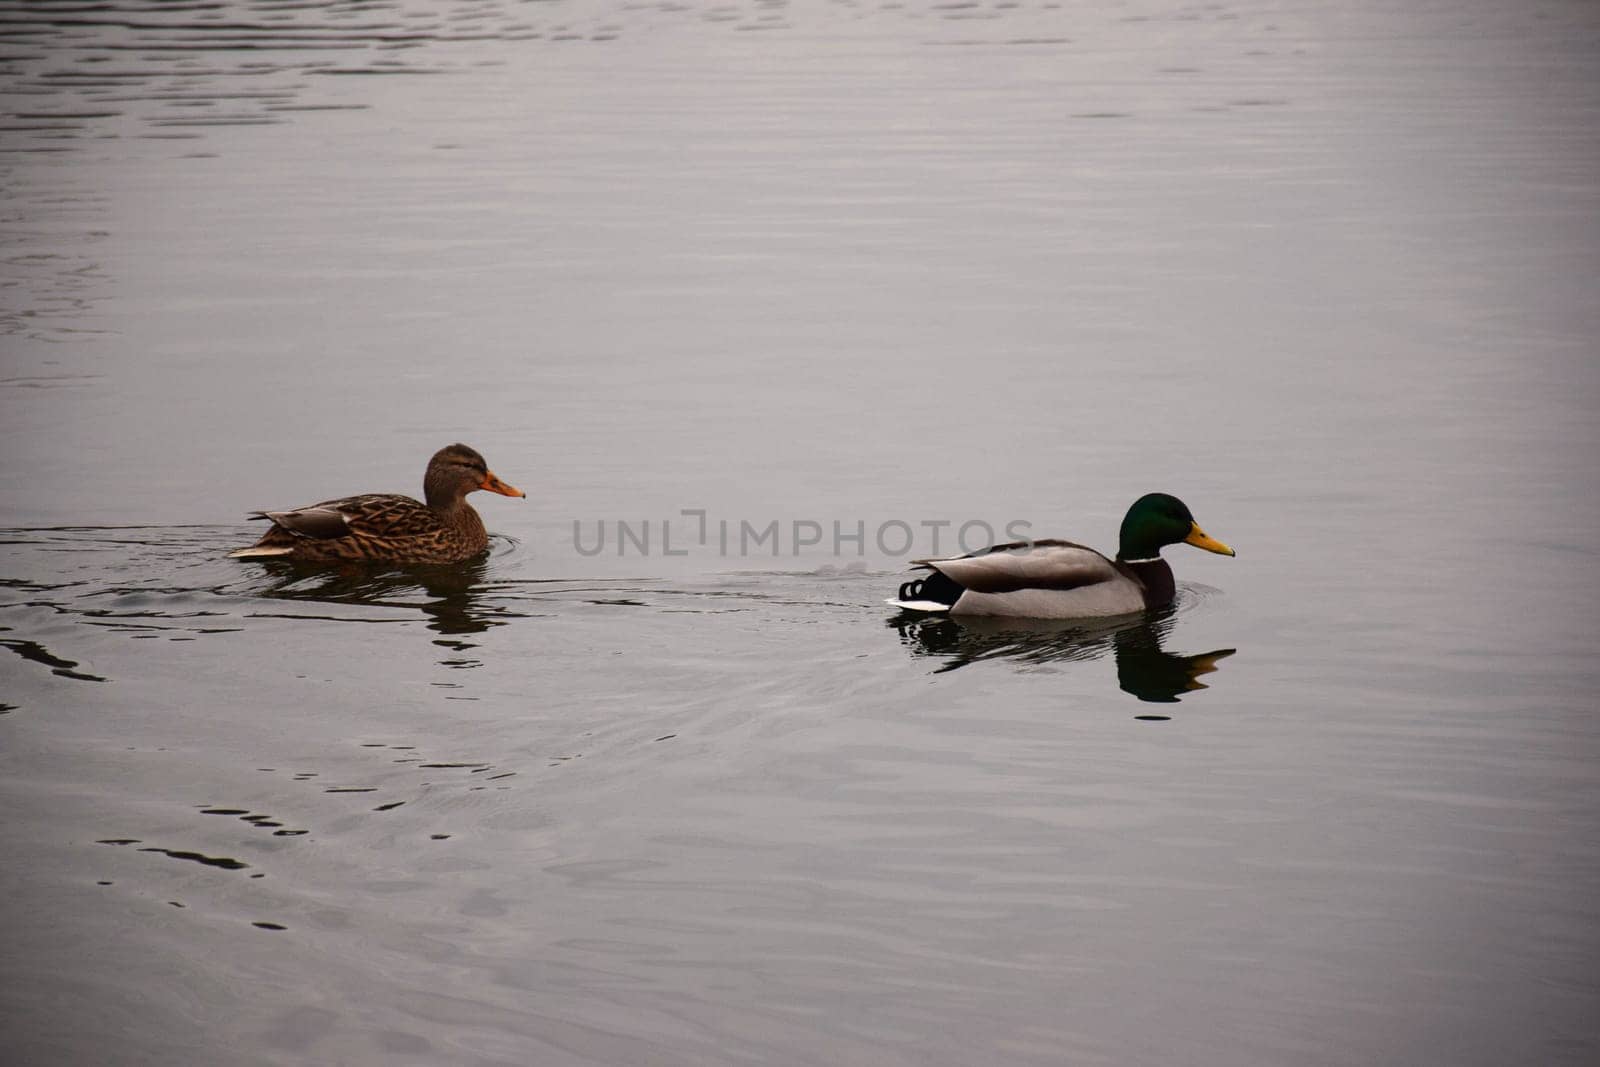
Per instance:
x=1157, y=520
x=1153, y=675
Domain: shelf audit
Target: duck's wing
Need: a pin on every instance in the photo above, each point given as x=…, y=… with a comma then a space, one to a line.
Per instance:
x=1027, y=565
x=370, y=514
x=316, y=522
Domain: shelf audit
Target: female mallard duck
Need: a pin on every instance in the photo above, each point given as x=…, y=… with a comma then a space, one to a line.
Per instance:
x=1062, y=580
x=389, y=527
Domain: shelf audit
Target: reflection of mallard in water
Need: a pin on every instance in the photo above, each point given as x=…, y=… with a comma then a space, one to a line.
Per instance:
x=1143, y=668
x=458, y=604
x=1153, y=675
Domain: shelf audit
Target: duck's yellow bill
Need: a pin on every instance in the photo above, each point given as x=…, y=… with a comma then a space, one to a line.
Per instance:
x=1200, y=539
x=495, y=485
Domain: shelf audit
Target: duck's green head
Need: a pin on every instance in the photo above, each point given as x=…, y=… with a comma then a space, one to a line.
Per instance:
x=1157, y=520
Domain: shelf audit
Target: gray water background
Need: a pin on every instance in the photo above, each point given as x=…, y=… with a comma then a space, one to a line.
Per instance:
x=1326, y=271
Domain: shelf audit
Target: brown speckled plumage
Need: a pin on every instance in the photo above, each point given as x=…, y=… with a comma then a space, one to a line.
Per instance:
x=389, y=527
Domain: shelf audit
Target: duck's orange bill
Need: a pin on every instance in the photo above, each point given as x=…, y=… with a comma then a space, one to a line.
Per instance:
x=495, y=485
x=1200, y=539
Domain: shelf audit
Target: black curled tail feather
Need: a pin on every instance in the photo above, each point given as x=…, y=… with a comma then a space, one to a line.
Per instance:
x=937, y=587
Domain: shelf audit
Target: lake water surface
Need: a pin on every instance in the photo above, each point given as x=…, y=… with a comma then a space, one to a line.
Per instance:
x=789, y=290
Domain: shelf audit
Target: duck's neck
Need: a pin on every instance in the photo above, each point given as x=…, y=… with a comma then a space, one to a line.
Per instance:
x=453, y=510
x=1155, y=577
x=1135, y=549
x=466, y=519
x=444, y=502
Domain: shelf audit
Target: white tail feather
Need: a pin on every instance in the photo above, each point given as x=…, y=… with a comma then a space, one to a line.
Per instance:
x=258, y=552
x=918, y=605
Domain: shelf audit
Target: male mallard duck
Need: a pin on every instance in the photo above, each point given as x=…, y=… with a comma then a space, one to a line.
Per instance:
x=1062, y=580
x=389, y=527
